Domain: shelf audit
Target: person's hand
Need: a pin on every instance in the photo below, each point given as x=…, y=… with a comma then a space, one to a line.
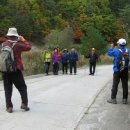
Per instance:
x=112, y=45
x=21, y=38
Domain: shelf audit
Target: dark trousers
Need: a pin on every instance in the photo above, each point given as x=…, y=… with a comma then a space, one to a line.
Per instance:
x=47, y=66
x=92, y=67
x=65, y=67
x=17, y=79
x=73, y=65
x=116, y=79
x=55, y=68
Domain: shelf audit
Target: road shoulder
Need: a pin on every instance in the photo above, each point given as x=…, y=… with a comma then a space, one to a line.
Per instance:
x=105, y=116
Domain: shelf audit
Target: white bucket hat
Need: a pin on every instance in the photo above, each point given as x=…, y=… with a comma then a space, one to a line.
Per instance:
x=12, y=32
x=121, y=41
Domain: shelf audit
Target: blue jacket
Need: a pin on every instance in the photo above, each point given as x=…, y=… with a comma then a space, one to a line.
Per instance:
x=73, y=56
x=64, y=58
x=116, y=54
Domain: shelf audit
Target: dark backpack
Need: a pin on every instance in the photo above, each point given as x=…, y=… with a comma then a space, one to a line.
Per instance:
x=7, y=60
x=124, y=60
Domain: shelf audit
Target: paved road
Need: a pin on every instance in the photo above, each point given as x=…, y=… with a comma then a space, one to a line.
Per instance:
x=105, y=116
x=56, y=102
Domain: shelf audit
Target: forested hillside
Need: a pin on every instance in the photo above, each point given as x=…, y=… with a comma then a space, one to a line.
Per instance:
x=86, y=23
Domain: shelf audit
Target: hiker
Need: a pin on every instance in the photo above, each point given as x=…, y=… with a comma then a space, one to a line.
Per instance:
x=120, y=69
x=55, y=61
x=64, y=61
x=47, y=56
x=93, y=58
x=18, y=44
x=73, y=58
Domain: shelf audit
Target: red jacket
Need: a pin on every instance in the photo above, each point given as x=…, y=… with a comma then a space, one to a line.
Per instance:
x=18, y=48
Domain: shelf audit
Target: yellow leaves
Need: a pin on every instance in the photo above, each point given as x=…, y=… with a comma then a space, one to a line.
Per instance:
x=83, y=17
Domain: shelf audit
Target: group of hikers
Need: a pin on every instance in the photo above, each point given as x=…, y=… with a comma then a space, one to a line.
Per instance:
x=68, y=59
x=15, y=44
x=64, y=57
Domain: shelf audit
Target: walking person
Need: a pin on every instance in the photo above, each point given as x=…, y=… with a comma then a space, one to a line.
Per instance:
x=64, y=61
x=20, y=44
x=55, y=61
x=47, y=56
x=73, y=58
x=93, y=58
x=120, y=68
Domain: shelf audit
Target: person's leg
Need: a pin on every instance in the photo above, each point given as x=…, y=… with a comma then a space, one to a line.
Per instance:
x=124, y=79
x=75, y=67
x=90, y=68
x=116, y=80
x=57, y=68
x=66, y=68
x=46, y=67
x=70, y=67
x=19, y=82
x=8, y=90
x=54, y=69
x=63, y=67
x=94, y=66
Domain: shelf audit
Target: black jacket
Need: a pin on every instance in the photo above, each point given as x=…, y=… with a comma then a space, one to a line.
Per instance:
x=93, y=58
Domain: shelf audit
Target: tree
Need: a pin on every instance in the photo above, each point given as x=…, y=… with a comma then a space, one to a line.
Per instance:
x=94, y=39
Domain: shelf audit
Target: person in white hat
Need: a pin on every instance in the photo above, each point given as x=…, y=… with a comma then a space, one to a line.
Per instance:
x=12, y=32
x=16, y=77
x=120, y=68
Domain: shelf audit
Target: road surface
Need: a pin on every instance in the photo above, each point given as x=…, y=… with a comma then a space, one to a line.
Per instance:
x=56, y=102
x=106, y=116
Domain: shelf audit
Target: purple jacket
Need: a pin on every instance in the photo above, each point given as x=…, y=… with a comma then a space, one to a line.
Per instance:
x=55, y=58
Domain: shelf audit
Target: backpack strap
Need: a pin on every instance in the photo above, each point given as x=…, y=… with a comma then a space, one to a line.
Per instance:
x=12, y=43
x=125, y=50
x=120, y=50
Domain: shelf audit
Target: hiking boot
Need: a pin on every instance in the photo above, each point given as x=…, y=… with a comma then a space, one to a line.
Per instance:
x=9, y=109
x=113, y=101
x=25, y=107
x=124, y=101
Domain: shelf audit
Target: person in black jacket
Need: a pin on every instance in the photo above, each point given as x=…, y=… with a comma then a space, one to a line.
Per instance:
x=73, y=58
x=93, y=57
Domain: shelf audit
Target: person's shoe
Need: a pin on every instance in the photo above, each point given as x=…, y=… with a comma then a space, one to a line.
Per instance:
x=9, y=109
x=25, y=107
x=113, y=101
x=90, y=74
x=124, y=101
